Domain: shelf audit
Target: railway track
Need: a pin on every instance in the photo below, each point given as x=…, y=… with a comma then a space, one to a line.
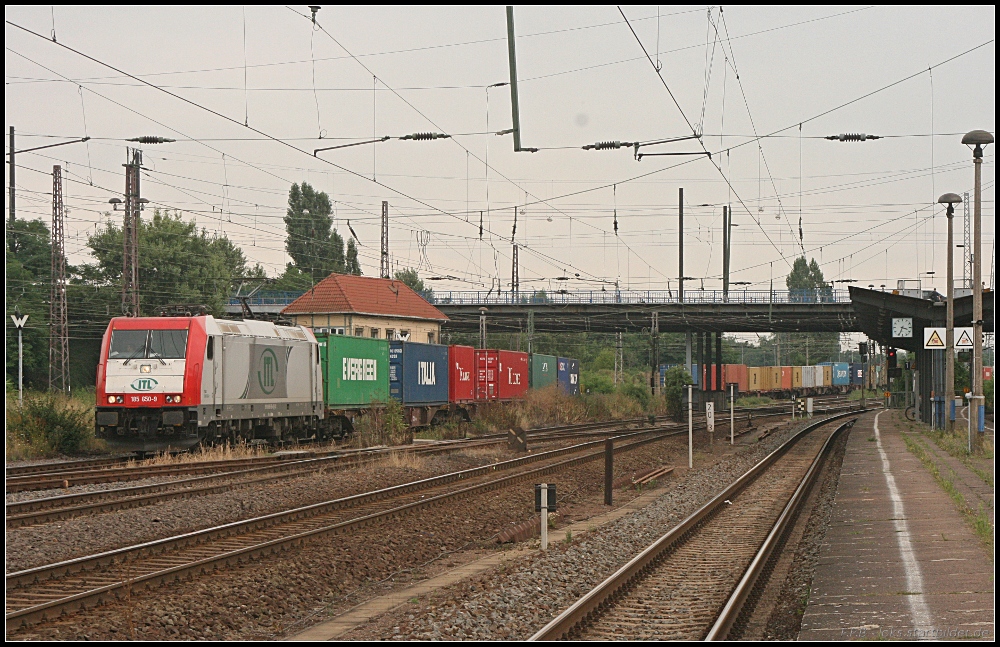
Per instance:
x=701, y=578
x=114, y=470
x=48, y=591
x=49, y=509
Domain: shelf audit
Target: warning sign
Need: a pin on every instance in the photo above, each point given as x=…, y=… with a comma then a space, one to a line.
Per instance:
x=934, y=338
x=963, y=338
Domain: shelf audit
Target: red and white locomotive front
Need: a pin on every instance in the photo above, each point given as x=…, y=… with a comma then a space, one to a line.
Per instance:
x=148, y=381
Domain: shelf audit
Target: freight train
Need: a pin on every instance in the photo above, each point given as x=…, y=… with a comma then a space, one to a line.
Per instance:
x=170, y=383
x=780, y=381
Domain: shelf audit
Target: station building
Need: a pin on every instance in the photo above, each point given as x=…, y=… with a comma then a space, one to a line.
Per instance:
x=361, y=306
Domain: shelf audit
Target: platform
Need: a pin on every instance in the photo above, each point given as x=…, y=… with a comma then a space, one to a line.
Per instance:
x=899, y=561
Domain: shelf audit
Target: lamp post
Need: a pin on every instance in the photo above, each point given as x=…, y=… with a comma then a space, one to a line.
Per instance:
x=950, y=199
x=977, y=139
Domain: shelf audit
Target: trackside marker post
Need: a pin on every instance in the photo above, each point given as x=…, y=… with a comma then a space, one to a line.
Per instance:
x=545, y=500
x=609, y=468
x=690, y=429
x=732, y=414
x=19, y=324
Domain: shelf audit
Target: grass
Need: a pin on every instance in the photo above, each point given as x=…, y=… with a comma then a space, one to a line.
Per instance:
x=977, y=519
x=751, y=401
x=856, y=395
x=957, y=448
x=405, y=460
x=224, y=452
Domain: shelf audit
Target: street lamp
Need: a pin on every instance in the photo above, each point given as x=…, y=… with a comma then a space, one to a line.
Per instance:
x=950, y=199
x=977, y=139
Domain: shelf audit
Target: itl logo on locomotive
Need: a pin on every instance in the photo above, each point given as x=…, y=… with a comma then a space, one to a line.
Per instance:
x=144, y=384
x=265, y=377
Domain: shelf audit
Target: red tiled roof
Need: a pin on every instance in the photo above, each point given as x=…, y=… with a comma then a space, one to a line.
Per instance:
x=346, y=293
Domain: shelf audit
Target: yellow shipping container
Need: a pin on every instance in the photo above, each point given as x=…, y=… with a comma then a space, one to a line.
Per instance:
x=754, y=375
x=827, y=376
x=796, y=377
x=774, y=378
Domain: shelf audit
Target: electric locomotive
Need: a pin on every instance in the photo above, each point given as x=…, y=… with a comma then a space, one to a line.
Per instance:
x=169, y=383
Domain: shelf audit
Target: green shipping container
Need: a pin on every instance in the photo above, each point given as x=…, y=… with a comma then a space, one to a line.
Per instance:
x=355, y=371
x=543, y=370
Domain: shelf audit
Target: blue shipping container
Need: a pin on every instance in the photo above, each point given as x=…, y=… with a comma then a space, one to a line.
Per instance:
x=841, y=374
x=569, y=375
x=418, y=373
x=857, y=374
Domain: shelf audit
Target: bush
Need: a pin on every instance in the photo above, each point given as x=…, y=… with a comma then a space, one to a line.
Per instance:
x=988, y=392
x=637, y=392
x=48, y=424
x=674, y=382
x=597, y=383
x=383, y=424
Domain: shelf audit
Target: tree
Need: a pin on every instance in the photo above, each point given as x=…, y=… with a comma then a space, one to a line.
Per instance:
x=28, y=268
x=352, y=265
x=411, y=279
x=316, y=249
x=177, y=264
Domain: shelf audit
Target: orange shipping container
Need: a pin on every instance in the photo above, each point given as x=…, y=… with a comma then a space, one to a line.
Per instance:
x=786, y=378
x=735, y=374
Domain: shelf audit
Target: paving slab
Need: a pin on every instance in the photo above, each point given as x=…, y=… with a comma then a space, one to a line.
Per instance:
x=899, y=561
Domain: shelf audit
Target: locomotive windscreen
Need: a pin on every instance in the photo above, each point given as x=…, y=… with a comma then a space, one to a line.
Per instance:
x=142, y=344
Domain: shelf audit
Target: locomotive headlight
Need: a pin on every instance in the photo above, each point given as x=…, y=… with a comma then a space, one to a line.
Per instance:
x=111, y=399
x=146, y=368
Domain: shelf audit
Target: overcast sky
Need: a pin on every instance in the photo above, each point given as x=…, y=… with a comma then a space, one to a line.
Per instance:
x=868, y=209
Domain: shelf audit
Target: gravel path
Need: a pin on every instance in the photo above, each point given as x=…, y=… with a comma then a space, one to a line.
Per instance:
x=516, y=603
x=44, y=544
x=283, y=594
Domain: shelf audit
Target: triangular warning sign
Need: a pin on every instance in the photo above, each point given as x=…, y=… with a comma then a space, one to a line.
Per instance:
x=965, y=340
x=934, y=341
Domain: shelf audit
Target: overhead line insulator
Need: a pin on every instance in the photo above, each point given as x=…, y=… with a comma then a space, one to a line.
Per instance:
x=603, y=146
x=425, y=136
x=852, y=137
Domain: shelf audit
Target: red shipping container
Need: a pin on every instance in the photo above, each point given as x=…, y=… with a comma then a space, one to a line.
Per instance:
x=461, y=373
x=486, y=374
x=736, y=374
x=786, y=377
x=512, y=374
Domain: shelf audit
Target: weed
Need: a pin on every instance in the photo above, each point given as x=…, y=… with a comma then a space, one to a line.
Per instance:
x=405, y=460
x=47, y=424
x=569, y=537
x=382, y=424
x=979, y=521
x=871, y=439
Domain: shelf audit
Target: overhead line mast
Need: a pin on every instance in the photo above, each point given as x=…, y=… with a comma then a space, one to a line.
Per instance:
x=58, y=320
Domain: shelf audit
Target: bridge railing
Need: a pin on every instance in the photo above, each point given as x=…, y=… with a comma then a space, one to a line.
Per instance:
x=640, y=297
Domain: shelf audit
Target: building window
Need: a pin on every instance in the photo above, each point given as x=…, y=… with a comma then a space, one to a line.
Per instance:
x=374, y=333
x=430, y=338
x=404, y=335
x=390, y=333
x=359, y=332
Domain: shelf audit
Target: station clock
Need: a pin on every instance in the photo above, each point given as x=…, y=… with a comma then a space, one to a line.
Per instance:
x=902, y=327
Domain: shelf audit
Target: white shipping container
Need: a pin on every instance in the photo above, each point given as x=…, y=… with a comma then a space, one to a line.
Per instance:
x=808, y=377
x=818, y=380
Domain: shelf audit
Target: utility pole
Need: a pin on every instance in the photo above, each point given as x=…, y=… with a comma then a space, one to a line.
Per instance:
x=385, y=240
x=950, y=199
x=680, y=244
x=531, y=329
x=654, y=331
x=58, y=323
x=482, y=327
x=725, y=254
x=966, y=242
x=130, y=236
x=515, y=279
x=619, y=360
x=11, y=239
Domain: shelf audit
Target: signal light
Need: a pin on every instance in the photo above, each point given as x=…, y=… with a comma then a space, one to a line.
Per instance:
x=891, y=357
x=863, y=349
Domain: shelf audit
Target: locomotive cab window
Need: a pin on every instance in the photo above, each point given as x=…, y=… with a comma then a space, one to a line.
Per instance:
x=143, y=344
x=210, y=348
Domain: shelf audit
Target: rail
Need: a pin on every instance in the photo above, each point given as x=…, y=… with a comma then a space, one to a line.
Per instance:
x=579, y=612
